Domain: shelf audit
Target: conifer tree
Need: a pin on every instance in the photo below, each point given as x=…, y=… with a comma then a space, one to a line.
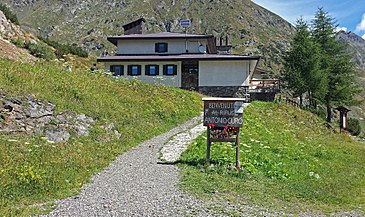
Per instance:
x=302, y=73
x=336, y=63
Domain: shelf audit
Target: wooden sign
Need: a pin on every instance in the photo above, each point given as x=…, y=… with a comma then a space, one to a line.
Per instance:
x=223, y=118
x=223, y=112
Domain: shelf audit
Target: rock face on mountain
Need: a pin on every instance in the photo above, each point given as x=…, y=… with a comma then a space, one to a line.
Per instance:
x=253, y=29
x=356, y=46
x=8, y=32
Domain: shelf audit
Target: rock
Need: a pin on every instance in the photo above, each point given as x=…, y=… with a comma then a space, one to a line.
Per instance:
x=37, y=117
x=58, y=135
x=82, y=125
x=8, y=107
x=38, y=109
x=117, y=134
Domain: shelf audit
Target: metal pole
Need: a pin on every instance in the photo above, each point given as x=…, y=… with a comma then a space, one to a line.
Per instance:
x=186, y=41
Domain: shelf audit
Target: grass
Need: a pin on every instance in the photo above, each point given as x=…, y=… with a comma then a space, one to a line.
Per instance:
x=34, y=172
x=290, y=162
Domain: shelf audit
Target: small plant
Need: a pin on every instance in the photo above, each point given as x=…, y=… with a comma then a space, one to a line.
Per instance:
x=27, y=174
x=354, y=126
x=19, y=43
x=41, y=50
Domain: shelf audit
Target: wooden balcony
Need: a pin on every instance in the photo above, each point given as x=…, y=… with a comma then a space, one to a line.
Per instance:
x=264, y=86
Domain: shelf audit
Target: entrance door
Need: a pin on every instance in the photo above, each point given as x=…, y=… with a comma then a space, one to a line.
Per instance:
x=190, y=75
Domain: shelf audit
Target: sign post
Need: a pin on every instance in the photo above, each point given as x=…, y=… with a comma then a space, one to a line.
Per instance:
x=185, y=23
x=223, y=118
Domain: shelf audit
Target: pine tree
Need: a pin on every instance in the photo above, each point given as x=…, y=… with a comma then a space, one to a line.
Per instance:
x=336, y=63
x=302, y=73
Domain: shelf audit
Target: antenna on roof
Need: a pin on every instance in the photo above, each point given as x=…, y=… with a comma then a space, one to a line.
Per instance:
x=185, y=23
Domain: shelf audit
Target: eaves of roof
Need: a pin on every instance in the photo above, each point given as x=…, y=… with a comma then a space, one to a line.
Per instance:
x=202, y=57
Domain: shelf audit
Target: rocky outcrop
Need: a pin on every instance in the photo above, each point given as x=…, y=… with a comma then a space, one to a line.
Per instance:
x=31, y=116
x=9, y=30
x=8, y=33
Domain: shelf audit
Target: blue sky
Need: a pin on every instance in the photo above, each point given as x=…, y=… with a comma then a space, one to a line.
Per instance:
x=350, y=14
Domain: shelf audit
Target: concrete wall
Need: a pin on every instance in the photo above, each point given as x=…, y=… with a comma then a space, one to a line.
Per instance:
x=223, y=73
x=173, y=81
x=175, y=46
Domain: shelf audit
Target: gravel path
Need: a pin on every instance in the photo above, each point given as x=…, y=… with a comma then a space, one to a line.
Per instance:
x=135, y=184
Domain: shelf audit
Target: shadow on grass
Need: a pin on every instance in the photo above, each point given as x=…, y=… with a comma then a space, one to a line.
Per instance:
x=193, y=162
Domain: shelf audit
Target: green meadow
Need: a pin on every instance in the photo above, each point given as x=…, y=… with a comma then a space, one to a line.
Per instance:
x=291, y=162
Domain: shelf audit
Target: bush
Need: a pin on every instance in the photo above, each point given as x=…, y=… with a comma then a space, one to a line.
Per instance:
x=8, y=14
x=64, y=49
x=18, y=42
x=354, y=126
x=41, y=50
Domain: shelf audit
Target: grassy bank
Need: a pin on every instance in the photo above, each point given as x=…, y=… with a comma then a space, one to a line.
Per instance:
x=290, y=160
x=34, y=171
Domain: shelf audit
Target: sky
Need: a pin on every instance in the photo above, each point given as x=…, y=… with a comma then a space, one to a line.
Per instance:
x=350, y=14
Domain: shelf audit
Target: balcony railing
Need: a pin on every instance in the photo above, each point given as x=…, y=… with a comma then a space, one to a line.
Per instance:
x=265, y=85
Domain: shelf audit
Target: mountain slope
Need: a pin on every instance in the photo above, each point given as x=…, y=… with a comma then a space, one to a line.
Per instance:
x=356, y=46
x=253, y=29
x=8, y=32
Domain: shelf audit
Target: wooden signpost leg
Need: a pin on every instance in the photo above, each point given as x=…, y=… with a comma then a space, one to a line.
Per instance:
x=238, y=164
x=207, y=160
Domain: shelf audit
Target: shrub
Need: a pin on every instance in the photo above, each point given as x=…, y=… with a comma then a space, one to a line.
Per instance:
x=18, y=42
x=64, y=49
x=8, y=14
x=354, y=126
x=41, y=50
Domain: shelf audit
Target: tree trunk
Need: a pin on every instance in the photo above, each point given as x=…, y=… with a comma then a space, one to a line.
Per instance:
x=301, y=101
x=329, y=109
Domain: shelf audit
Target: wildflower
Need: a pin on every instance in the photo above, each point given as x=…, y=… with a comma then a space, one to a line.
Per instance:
x=247, y=146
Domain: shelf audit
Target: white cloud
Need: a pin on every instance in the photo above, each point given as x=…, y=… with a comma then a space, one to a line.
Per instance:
x=361, y=26
x=363, y=36
x=341, y=29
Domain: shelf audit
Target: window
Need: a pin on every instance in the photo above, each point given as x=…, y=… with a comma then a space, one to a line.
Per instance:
x=134, y=70
x=161, y=47
x=170, y=69
x=152, y=70
x=117, y=70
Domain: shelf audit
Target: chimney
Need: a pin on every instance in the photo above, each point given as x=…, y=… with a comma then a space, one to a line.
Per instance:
x=221, y=41
x=135, y=27
x=227, y=40
x=224, y=48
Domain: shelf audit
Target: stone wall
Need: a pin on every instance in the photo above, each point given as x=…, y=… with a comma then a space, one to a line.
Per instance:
x=267, y=97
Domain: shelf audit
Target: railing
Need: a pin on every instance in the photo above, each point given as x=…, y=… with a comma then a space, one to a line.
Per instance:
x=265, y=85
